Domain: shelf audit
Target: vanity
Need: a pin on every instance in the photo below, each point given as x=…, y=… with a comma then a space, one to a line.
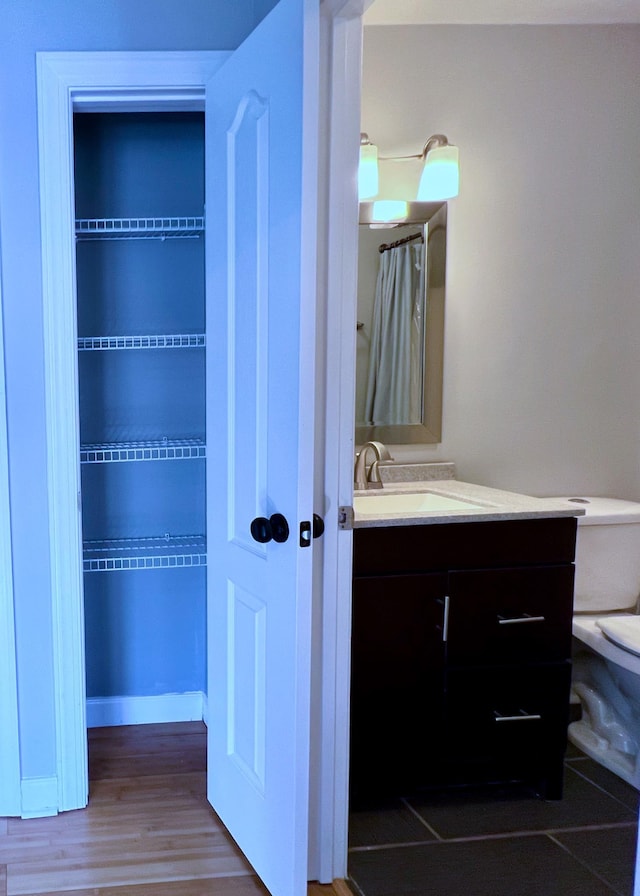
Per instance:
x=461, y=638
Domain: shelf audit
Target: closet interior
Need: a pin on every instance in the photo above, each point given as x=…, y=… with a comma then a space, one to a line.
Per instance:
x=139, y=207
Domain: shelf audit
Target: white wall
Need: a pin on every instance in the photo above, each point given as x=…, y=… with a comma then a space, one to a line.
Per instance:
x=542, y=367
x=27, y=26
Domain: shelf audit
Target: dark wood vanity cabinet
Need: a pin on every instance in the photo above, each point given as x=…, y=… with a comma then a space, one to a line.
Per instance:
x=461, y=645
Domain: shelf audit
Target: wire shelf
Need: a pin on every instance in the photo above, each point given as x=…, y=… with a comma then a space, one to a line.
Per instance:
x=160, y=449
x=168, y=552
x=139, y=228
x=111, y=343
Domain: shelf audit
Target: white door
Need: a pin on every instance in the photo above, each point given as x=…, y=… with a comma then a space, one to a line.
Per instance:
x=261, y=214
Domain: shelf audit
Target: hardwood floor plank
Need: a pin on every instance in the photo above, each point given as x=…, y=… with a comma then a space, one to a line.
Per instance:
x=129, y=751
x=316, y=889
x=233, y=886
x=148, y=829
x=128, y=845
x=34, y=877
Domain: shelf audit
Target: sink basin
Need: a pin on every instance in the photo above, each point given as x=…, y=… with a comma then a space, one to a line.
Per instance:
x=422, y=502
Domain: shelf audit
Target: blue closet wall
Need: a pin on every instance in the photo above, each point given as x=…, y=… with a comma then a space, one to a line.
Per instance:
x=145, y=629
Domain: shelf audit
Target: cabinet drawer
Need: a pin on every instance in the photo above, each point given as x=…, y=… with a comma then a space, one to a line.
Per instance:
x=508, y=714
x=510, y=615
x=409, y=549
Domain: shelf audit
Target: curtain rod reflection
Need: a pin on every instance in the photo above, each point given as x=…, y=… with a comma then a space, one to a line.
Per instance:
x=407, y=239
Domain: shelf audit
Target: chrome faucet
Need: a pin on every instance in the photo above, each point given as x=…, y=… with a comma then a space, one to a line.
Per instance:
x=360, y=477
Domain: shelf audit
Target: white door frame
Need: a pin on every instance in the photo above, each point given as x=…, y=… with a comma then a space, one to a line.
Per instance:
x=341, y=68
x=10, y=799
x=99, y=81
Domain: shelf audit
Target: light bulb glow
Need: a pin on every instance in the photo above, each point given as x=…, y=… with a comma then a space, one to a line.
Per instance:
x=368, y=171
x=440, y=175
x=389, y=210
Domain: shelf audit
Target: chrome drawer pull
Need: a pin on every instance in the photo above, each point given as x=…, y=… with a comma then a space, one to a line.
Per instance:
x=522, y=717
x=445, y=620
x=516, y=620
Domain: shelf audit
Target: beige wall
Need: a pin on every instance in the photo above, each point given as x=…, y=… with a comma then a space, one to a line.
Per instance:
x=542, y=354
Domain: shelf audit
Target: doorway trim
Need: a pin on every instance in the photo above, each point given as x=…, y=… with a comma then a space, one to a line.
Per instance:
x=10, y=796
x=341, y=75
x=66, y=82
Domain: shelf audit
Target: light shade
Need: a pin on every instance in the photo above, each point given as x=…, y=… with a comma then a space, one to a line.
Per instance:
x=367, y=169
x=441, y=174
x=389, y=210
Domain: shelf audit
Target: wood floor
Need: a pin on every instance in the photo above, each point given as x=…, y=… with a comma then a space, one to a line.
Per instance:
x=148, y=829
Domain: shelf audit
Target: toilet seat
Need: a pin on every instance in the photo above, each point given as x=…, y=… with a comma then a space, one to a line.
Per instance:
x=623, y=631
x=587, y=629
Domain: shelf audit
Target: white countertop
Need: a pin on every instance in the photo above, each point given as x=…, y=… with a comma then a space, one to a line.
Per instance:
x=490, y=504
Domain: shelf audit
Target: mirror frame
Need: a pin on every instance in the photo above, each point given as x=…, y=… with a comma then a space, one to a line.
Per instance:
x=434, y=216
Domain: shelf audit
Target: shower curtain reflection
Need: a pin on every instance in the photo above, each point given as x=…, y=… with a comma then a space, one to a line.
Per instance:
x=395, y=380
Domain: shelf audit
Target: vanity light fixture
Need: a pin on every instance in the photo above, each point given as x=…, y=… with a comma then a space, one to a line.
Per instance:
x=441, y=172
x=440, y=177
x=367, y=169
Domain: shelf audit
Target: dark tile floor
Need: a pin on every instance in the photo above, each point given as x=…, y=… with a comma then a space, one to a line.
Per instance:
x=500, y=841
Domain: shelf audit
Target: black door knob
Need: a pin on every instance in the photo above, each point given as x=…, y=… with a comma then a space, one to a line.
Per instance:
x=264, y=530
x=279, y=527
x=318, y=526
x=261, y=529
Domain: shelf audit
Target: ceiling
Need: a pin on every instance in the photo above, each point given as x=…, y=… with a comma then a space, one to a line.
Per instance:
x=501, y=12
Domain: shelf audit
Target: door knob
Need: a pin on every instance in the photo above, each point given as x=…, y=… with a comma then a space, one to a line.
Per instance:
x=261, y=529
x=275, y=528
x=279, y=527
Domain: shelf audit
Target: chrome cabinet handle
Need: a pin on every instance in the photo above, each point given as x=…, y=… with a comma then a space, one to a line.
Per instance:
x=444, y=628
x=523, y=716
x=445, y=619
x=517, y=620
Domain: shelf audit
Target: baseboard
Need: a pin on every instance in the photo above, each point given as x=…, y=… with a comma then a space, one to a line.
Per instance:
x=39, y=797
x=103, y=712
x=205, y=708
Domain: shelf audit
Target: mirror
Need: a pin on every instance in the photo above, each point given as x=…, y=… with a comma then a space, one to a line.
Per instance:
x=400, y=338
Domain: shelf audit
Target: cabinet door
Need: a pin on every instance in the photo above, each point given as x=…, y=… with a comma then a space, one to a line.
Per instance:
x=396, y=680
x=510, y=615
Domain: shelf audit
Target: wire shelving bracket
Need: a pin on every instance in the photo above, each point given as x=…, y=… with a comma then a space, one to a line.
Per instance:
x=163, y=552
x=158, y=449
x=139, y=228
x=111, y=343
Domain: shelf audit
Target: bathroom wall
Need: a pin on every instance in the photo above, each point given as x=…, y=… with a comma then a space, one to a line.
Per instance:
x=542, y=368
x=27, y=26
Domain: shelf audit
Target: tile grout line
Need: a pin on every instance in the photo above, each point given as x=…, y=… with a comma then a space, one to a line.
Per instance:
x=423, y=821
x=474, y=838
x=354, y=885
x=584, y=864
x=601, y=788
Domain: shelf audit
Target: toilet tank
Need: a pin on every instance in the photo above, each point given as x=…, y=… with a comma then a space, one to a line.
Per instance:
x=607, y=555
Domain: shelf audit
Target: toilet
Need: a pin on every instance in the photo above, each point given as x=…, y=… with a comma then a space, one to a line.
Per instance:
x=606, y=624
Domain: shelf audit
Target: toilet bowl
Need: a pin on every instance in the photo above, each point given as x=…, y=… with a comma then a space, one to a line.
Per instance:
x=606, y=624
